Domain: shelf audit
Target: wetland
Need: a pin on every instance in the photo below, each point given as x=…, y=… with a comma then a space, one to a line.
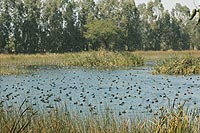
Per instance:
x=129, y=91
x=125, y=93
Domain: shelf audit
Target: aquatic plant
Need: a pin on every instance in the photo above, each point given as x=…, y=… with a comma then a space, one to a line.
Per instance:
x=16, y=120
x=177, y=119
x=178, y=66
x=171, y=119
x=162, y=55
x=16, y=64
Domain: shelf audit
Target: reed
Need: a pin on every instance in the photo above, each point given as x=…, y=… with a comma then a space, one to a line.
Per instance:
x=178, y=66
x=16, y=64
x=170, y=120
x=162, y=55
x=16, y=120
x=22, y=63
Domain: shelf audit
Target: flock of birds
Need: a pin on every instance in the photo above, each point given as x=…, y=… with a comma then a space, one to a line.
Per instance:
x=122, y=92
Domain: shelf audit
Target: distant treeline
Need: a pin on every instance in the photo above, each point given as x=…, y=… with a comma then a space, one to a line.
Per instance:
x=56, y=26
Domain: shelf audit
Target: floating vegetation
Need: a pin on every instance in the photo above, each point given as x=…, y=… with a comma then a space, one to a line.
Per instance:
x=16, y=64
x=178, y=66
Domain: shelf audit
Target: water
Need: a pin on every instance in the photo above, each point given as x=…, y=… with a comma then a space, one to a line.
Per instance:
x=130, y=91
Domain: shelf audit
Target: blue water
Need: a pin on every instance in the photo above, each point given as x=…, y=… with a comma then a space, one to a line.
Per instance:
x=89, y=90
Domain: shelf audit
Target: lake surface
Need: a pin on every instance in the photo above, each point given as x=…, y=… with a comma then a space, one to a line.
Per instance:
x=130, y=91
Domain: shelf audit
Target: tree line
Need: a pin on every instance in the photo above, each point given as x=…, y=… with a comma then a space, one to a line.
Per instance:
x=57, y=26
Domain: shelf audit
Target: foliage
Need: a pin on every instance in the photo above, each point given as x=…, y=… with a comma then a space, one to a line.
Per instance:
x=58, y=26
x=101, y=33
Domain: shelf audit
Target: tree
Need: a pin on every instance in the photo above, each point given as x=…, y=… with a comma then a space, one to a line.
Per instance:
x=32, y=19
x=133, y=36
x=101, y=34
x=150, y=24
x=26, y=20
x=72, y=37
x=5, y=27
x=70, y=25
x=180, y=17
x=53, y=25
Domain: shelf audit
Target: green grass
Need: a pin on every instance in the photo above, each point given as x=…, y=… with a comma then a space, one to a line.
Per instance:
x=169, y=120
x=16, y=64
x=178, y=66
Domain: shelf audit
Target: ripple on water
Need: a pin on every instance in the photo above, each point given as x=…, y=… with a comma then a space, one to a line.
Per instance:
x=122, y=91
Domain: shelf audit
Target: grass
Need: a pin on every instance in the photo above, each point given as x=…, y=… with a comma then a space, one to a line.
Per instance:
x=16, y=64
x=162, y=55
x=169, y=120
x=178, y=66
x=19, y=64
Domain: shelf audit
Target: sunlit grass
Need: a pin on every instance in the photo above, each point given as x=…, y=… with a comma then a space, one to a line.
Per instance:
x=16, y=64
x=169, y=120
x=22, y=63
x=178, y=65
x=161, y=55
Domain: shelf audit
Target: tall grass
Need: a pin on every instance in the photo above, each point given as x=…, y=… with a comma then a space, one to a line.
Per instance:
x=14, y=64
x=178, y=66
x=170, y=120
x=162, y=55
x=18, y=64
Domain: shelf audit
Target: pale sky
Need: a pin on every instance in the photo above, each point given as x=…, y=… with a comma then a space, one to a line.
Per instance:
x=169, y=4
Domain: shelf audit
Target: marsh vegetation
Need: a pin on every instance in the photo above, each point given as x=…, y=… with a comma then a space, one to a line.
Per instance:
x=16, y=64
x=76, y=99
x=60, y=120
x=165, y=62
x=59, y=66
x=178, y=66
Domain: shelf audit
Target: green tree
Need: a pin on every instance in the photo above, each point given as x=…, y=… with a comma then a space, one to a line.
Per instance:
x=69, y=25
x=101, y=34
x=18, y=20
x=25, y=29
x=87, y=12
x=5, y=26
x=150, y=27
x=52, y=17
x=133, y=36
x=166, y=31
x=180, y=15
x=30, y=26
x=72, y=37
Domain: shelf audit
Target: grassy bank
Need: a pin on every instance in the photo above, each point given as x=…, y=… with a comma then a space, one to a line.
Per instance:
x=16, y=64
x=162, y=55
x=168, y=121
x=173, y=62
x=178, y=66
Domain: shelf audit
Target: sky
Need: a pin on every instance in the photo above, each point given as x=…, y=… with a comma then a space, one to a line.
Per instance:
x=169, y=4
